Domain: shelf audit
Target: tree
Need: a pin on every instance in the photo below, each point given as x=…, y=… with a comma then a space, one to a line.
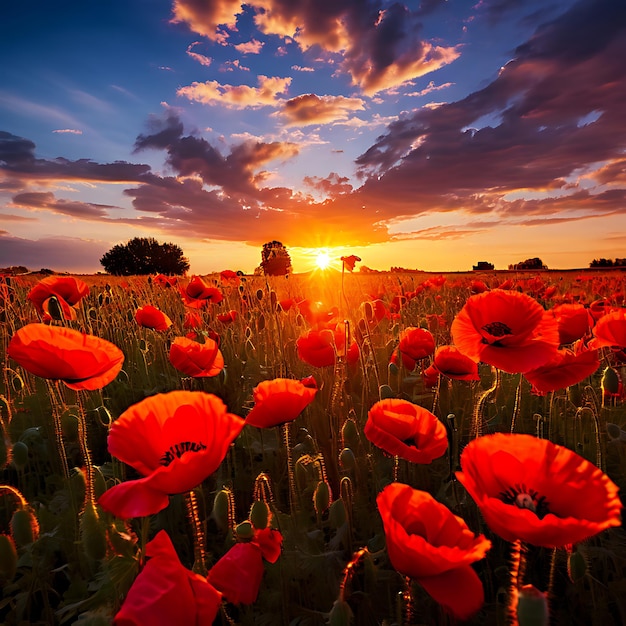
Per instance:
x=275, y=260
x=529, y=264
x=144, y=255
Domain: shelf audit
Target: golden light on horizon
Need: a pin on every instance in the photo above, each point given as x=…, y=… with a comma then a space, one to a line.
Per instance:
x=323, y=260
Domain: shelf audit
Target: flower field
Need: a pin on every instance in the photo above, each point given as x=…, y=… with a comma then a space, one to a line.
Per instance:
x=332, y=448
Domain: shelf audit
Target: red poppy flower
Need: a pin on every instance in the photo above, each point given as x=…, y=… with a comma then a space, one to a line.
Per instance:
x=375, y=311
x=478, y=286
x=349, y=261
x=574, y=321
x=192, y=320
x=165, y=281
x=407, y=430
x=81, y=361
x=67, y=289
x=198, y=294
x=227, y=318
x=175, y=440
x=166, y=593
x=568, y=368
x=280, y=400
x=452, y=363
x=315, y=315
x=415, y=344
x=507, y=329
x=149, y=316
x=230, y=277
x=610, y=330
x=196, y=359
x=533, y=490
x=319, y=347
x=239, y=572
x=430, y=544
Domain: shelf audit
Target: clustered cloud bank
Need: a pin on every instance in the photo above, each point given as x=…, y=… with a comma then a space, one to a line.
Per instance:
x=556, y=129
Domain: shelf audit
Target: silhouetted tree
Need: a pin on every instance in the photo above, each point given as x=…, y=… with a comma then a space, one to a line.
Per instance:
x=144, y=255
x=529, y=264
x=275, y=260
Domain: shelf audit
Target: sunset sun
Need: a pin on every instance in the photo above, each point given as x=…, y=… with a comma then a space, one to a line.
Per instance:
x=322, y=260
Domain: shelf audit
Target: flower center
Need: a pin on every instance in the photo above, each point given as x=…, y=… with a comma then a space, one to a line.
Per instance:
x=178, y=449
x=497, y=329
x=524, y=498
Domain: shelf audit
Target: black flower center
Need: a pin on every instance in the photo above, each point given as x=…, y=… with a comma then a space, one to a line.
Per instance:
x=524, y=498
x=497, y=329
x=178, y=449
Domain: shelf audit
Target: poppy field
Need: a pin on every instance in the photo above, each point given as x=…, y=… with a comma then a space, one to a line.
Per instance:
x=334, y=448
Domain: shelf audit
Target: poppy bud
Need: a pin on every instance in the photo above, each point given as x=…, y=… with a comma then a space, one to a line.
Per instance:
x=575, y=395
x=347, y=460
x=340, y=614
x=19, y=454
x=350, y=434
x=532, y=607
x=613, y=431
x=259, y=294
x=24, y=527
x=260, y=323
x=610, y=381
x=259, y=514
x=393, y=369
x=576, y=566
x=321, y=497
x=244, y=530
x=92, y=533
x=69, y=425
x=77, y=486
x=99, y=482
x=385, y=391
x=221, y=509
x=337, y=514
x=8, y=559
x=54, y=309
x=17, y=382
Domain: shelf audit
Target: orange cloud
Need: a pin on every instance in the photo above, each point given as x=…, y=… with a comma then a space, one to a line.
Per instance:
x=237, y=96
x=311, y=109
x=249, y=47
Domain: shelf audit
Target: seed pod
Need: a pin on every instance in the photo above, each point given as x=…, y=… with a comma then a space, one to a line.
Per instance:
x=613, y=431
x=259, y=294
x=347, y=460
x=576, y=566
x=8, y=559
x=340, y=614
x=221, y=509
x=244, y=530
x=610, y=381
x=337, y=515
x=69, y=425
x=532, y=607
x=93, y=533
x=259, y=514
x=321, y=497
x=19, y=454
x=350, y=434
x=53, y=308
x=385, y=391
x=260, y=323
x=24, y=527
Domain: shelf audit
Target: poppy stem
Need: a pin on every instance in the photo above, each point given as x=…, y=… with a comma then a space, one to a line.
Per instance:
x=85, y=452
x=516, y=571
x=290, y=472
x=58, y=431
x=476, y=429
x=517, y=405
x=199, y=543
x=348, y=573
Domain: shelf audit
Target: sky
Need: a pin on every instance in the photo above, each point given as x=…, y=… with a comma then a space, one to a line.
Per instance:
x=425, y=134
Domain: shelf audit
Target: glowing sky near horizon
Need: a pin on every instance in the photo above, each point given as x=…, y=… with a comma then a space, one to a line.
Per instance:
x=425, y=135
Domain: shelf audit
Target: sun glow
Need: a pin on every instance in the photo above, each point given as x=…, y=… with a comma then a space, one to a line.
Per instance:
x=323, y=260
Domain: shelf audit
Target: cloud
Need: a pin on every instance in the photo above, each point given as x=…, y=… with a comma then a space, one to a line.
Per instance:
x=237, y=96
x=380, y=43
x=311, y=109
x=201, y=58
x=68, y=131
x=537, y=136
x=47, y=201
x=249, y=47
x=332, y=185
x=57, y=253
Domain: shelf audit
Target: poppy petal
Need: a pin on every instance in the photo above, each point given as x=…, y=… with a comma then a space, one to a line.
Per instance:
x=459, y=590
x=134, y=498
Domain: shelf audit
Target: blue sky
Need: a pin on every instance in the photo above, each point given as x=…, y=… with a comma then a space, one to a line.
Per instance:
x=425, y=135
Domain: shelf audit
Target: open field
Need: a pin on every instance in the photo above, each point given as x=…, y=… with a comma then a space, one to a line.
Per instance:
x=309, y=468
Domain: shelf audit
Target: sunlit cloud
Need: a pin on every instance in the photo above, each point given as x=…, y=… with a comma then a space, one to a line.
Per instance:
x=249, y=47
x=201, y=58
x=311, y=109
x=67, y=131
x=237, y=96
